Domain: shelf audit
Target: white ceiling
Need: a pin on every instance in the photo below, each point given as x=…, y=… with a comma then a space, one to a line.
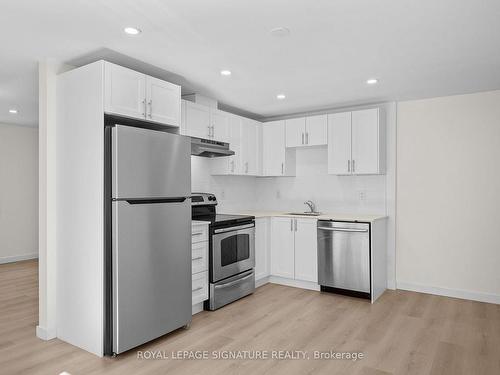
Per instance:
x=416, y=48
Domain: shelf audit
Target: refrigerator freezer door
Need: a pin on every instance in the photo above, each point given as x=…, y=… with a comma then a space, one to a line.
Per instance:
x=150, y=164
x=151, y=270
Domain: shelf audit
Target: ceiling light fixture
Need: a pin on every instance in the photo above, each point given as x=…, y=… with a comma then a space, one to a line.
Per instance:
x=280, y=96
x=225, y=73
x=280, y=31
x=372, y=81
x=13, y=111
x=132, y=30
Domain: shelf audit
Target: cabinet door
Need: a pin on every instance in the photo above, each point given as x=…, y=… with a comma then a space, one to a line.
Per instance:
x=249, y=147
x=273, y=148
x=306, y=250
x=282, y=245
x=163, y=101
x=230, y=165
x=220, y=124
x=316, y=130
x=365, y=141
x=198, y=120
x=124, y=91
x=339, y=143
x=261, y=248
x=295, y=130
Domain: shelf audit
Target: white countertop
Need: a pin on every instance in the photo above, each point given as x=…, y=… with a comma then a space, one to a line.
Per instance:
x=323, y=216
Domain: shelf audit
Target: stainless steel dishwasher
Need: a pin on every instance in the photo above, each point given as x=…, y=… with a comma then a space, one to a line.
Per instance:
x=344, y=257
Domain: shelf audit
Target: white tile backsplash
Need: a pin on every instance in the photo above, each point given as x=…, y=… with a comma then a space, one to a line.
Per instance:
x=342, y=194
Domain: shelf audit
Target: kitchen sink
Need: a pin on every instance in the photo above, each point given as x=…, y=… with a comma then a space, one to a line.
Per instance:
x=304, y=213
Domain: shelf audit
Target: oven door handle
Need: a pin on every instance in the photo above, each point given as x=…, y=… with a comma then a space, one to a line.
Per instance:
x=231, y=283
x=224, y=230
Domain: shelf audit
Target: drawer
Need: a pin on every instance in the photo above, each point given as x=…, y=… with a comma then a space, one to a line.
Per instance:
x=200, y=287
x=199, y=233
x=199, y=257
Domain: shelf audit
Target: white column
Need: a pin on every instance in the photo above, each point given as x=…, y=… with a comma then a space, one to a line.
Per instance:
x=47, y=73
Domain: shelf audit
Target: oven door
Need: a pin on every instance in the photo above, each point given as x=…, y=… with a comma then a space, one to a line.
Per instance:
x=233, y=251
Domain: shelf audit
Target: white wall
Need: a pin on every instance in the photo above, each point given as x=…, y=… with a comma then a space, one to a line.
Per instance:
x=18, y=193
x=448, y=203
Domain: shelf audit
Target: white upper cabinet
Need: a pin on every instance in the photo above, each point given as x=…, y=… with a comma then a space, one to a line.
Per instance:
x=316, y=130
x=273, y=148
x=306, y=253
x=125, y=91
x=366, y=142
x=231, y=165
x=133, y=94
x=197, y=120
x=205, y=122
x=249, y=147
x=276, y=159
x=356, y=142
x=306, y=131
x=295, y=130
x=163, y=101
x=339, y=143
x=220, y=125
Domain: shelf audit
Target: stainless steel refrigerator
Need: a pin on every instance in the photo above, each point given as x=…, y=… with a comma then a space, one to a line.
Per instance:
x=148, y=235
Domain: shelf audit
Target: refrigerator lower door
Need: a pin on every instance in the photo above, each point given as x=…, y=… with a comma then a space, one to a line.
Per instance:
x=151, y=270
x=149, y=163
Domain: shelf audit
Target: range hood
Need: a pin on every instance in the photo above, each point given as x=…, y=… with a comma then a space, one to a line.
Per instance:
x=209, y=148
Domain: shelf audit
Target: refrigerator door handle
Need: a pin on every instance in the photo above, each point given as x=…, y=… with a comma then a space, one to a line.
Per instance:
x=154, y=200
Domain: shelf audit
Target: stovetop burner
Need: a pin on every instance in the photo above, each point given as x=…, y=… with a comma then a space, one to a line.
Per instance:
x=203, y=208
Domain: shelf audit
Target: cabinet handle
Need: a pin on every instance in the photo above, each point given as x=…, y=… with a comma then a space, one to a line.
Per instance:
x=150, y=109
x=348, y=165
x=282, y=168
x=295, y=224
x=307, y=138
x=196, y=289
x=232, y=166
x=302, y=138
x=213, y=131
x=144, y=108
x=208, y=131
x=197, y=258
x=353, y=166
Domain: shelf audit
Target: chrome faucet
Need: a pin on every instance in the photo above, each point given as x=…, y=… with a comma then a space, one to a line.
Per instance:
x=311, y=206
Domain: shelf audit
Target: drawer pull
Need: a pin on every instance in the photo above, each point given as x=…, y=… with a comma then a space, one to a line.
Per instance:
x=197, y=258
x=197, y=233
x=196, y=289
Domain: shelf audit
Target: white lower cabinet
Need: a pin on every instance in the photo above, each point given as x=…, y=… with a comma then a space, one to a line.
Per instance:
x=294, y=248
x=306, y=250
x=199, y=261
x=261, y=248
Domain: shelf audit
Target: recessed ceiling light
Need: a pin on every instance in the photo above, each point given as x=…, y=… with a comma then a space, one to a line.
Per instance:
x=13, y=111
x=225, y=73
x=280, y=96
x=372, y=81
x=280, y=31
x=132, y=30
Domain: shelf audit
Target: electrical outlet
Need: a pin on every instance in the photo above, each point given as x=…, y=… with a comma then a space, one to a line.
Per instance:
x=362, y=195
x=278, y=194
x=222, y=194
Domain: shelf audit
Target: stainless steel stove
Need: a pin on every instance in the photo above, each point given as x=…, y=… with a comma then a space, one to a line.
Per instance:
x=231, y=251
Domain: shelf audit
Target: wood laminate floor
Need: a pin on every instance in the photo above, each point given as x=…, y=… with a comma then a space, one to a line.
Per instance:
x=402, y=333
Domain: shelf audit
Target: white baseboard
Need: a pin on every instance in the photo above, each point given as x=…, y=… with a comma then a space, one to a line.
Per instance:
x=455, y=293
x=17, y=258
x=45, y=334
x=197, y=307
x=294, y=283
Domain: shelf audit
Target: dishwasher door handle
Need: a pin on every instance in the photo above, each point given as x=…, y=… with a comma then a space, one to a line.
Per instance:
x=336, y=229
